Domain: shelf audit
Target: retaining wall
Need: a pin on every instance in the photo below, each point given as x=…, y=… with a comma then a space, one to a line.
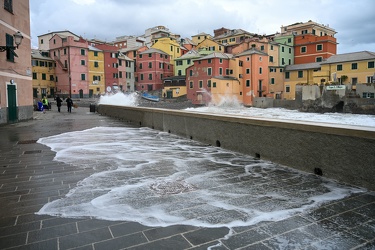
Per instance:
x=340, y=152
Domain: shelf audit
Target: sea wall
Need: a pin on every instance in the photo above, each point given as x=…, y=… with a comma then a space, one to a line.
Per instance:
x=341, y=152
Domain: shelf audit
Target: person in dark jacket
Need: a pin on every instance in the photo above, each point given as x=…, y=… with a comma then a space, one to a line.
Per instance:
x=69, y=103
x=58, y=102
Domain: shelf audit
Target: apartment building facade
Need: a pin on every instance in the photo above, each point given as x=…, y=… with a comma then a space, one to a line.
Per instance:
x=43, y=73
x=16, y=99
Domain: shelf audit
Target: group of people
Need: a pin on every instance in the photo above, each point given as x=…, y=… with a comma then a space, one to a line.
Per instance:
x=44, y=105
x=69, y=103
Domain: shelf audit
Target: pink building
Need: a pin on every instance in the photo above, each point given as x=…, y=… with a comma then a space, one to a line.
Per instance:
x=254, y=74
x=199, y=75
x=152, y=66
x=71, y=56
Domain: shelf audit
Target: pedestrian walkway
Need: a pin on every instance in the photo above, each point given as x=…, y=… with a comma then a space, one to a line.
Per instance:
x=30, y=178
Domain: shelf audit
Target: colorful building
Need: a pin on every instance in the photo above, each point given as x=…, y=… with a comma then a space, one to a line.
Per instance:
x=153, y=66
x=72, y=71
x=199, y=76
x=16, y=99
x=96, y=75
x=44, y=76
x=253, y=68
x=228, y=37
x=185, y=61
x=174, y=86
x=299, y=74
x=169, y=46
x=210, y=45
x=313, y=42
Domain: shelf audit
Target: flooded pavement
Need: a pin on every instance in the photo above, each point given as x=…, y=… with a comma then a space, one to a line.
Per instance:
x=84, y=181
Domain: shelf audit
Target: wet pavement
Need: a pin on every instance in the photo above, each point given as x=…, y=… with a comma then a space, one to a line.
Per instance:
x=29, y=178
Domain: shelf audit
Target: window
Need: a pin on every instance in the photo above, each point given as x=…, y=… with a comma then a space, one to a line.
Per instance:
x=300, y=74
x=149, y=55
x=247, y=71
x=368, y=95
x=51, y=78
x=140, y=66
x=303, y=49
x=191, y=73
x=178, y=63
x=8, y=5
x=370, y=79
x=214, y=84
x=319, y=47
x=272, y=80
x=354, y=66
x=290, y=50
x=260, y=70
x=282, y=49
x=209, y=71
x=289, y=40
x=209, y=83
x=370, y=65
x=140, y=56
x=95, y=53
x=221, y=71
x=35, y=75
x=319, y=59
x=9, y=42
x=287, y=88
x=260, y=59
x=240, y=63
x=339, y=67
x=287, y=75
x=271, y=47
x=188, y=61
x=262, y=47
x=141, y=77
x=271, y=58
x=354, y=80
x=149, y=76
x=179, y=72
x=247, y=83
x=44, y=76
x=64, y=51
x=191, y=85
x=283, y=61
x=83, y=77
x=83, y=62
x=221, y=60
x=82, y=52
x=96, y=64
x=150, y=65
x=200, y=84
x=209, y=61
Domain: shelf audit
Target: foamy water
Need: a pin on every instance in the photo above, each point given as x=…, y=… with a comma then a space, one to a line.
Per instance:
x=230, y=106
x=159, y=179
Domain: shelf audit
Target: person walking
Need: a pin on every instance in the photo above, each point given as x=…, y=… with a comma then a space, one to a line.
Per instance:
x=58, y=102
x=69, y=103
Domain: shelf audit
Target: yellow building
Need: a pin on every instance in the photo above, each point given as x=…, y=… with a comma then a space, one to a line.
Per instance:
x=298, y=74
x=228, y=37
x=44, y=77
x=210, y=45
x=350, y=68
x=168, y=45
x=225, y=90
x=200, y=37
x=96, y=72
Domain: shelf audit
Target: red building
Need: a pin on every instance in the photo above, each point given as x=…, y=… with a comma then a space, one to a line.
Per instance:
x=152, y=66
x=111, y=64
x=198, y=76
x=309, y=48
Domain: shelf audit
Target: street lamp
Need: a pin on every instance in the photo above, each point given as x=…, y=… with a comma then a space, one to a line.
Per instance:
x=17, y=40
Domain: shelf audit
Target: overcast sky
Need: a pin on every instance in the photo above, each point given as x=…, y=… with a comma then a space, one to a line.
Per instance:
x=354, y=21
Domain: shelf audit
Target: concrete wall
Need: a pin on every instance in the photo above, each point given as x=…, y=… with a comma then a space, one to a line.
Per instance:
x=344, y=153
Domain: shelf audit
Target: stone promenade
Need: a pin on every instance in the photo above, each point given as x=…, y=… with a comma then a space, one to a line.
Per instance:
x=29, y=178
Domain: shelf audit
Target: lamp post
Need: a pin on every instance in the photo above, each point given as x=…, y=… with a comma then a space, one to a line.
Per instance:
x=17, y=40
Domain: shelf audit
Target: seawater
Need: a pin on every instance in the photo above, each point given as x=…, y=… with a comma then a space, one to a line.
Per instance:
x=159, y=179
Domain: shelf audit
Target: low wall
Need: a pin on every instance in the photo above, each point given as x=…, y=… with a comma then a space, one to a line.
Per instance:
x=341, y=152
